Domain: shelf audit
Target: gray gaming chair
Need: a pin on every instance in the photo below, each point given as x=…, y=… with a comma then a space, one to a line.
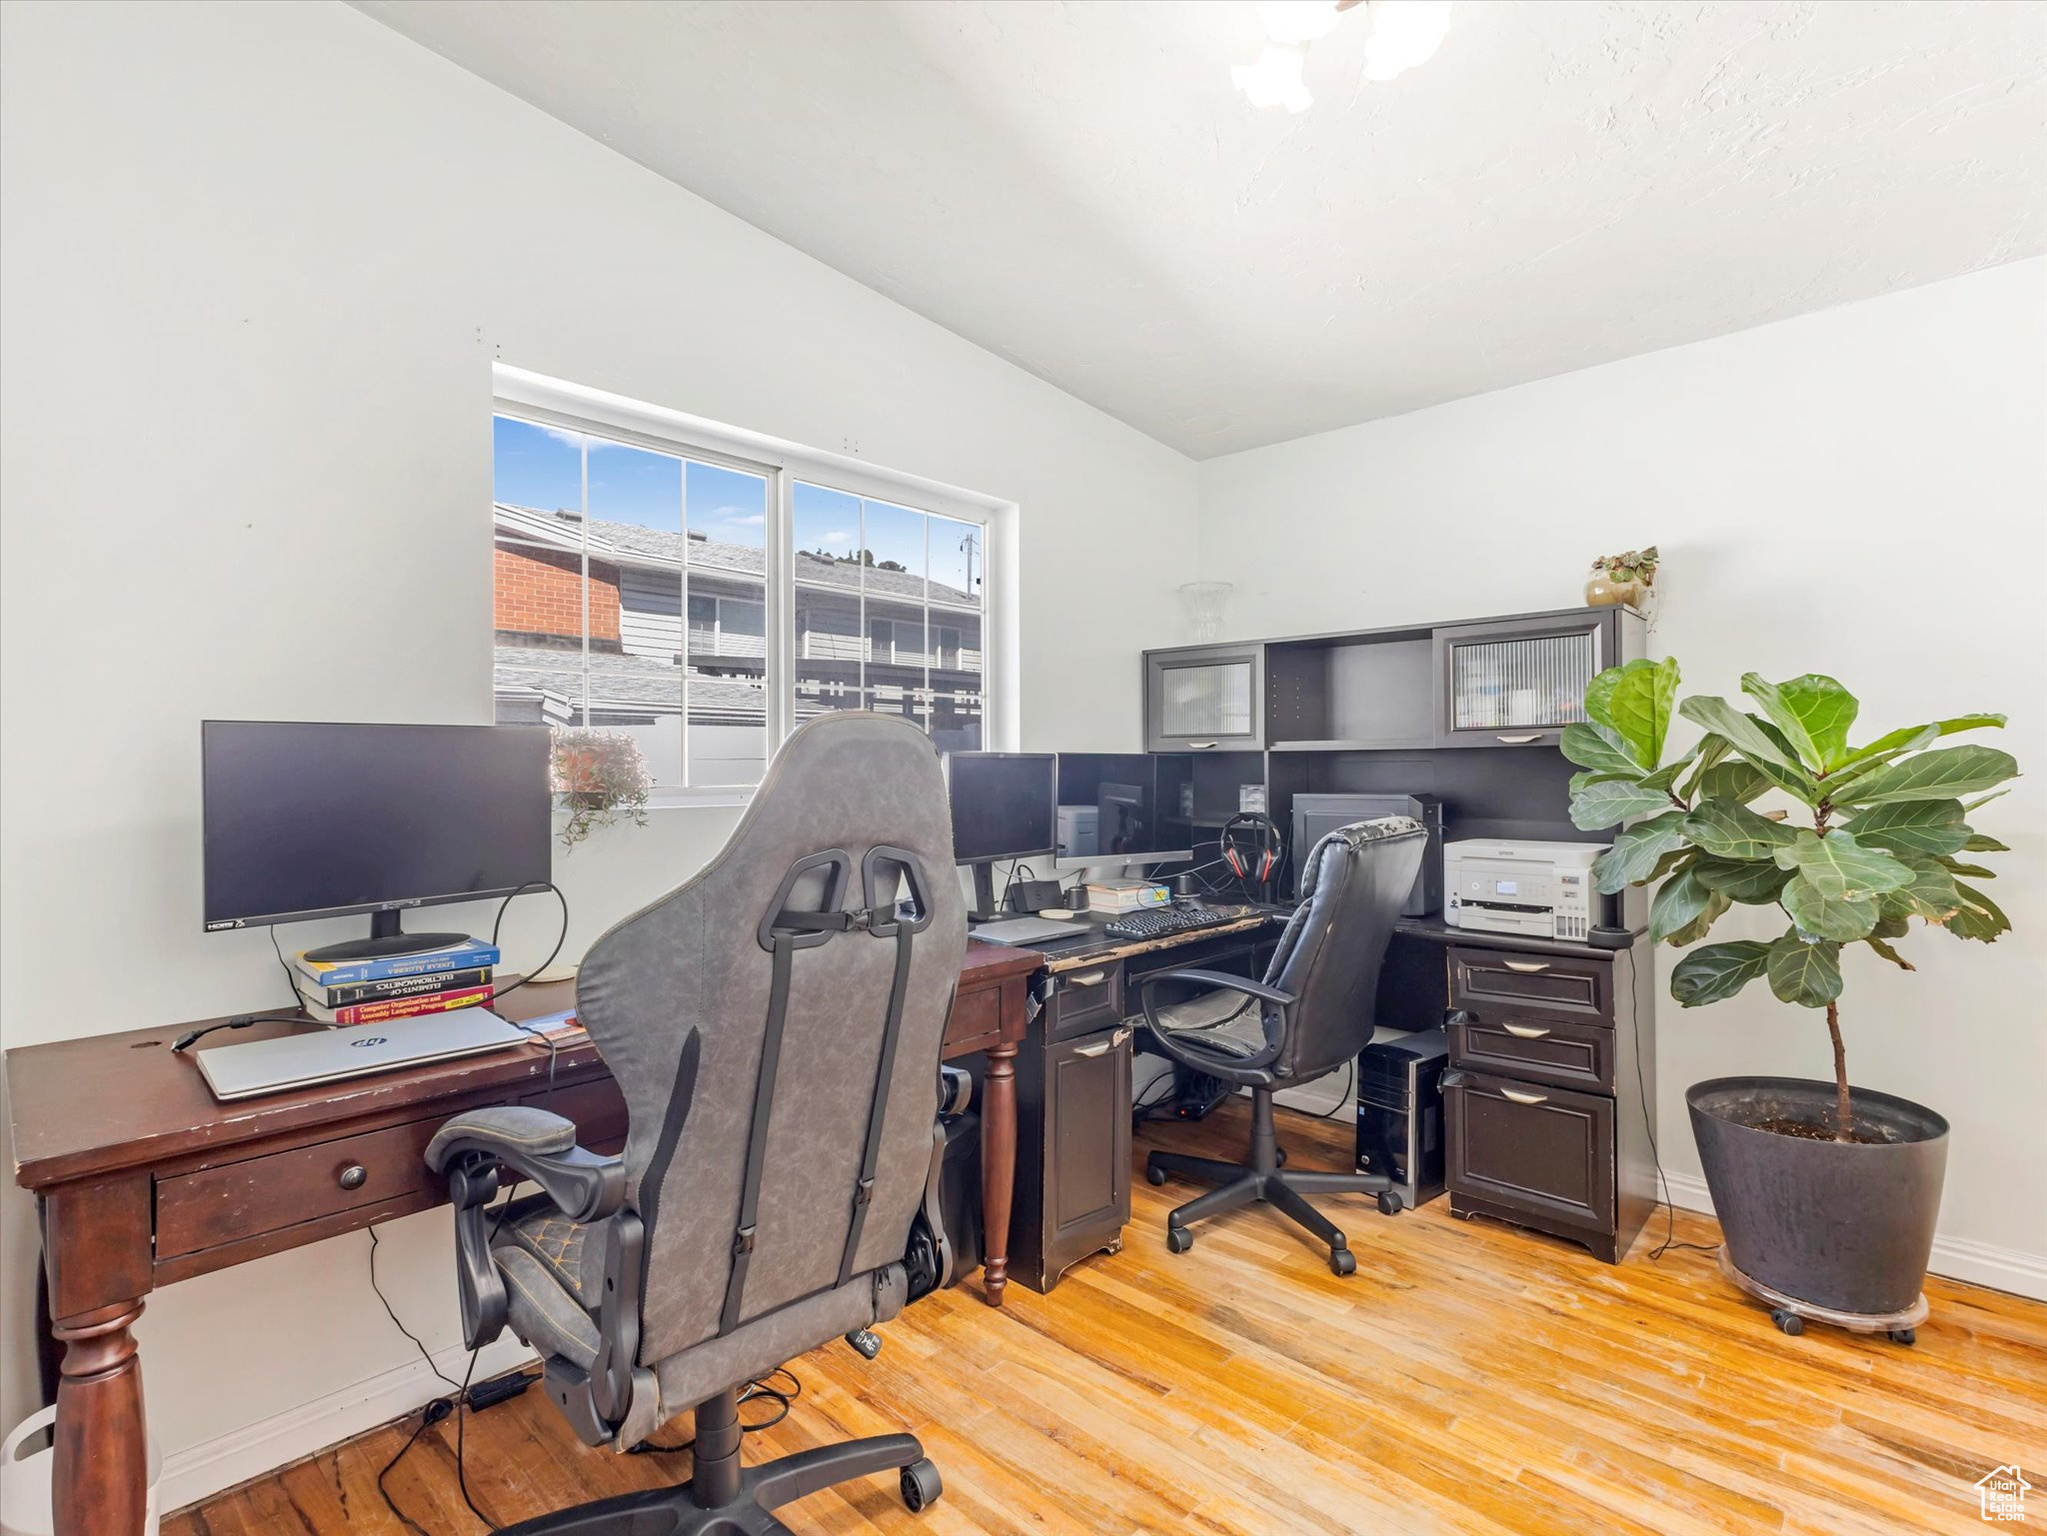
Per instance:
x=775, y=1026
x=1311, y=1014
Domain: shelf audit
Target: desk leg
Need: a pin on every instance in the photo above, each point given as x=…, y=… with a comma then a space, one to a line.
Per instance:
x=100, y=1476
x=998, y=1169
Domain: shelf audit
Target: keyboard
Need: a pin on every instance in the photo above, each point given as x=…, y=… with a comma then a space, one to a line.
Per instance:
x=1162, y=922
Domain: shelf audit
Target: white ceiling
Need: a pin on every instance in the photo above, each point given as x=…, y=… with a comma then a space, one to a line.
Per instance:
x=1078, y=188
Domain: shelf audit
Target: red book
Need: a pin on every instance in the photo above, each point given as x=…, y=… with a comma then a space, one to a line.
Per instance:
x=404, y=1007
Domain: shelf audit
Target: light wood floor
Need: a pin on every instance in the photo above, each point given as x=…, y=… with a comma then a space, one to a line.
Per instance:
x=1469, y=1378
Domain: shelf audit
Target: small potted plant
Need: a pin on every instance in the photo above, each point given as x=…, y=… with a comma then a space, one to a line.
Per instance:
x=1628, y=578
x=602, y=779
x=1827, y=1195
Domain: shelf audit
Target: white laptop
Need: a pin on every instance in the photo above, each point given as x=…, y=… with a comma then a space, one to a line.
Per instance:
x=1028, y=930
x=258, y=1067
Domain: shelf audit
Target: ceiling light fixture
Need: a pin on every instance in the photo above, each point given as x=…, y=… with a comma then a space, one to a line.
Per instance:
x=1403, y=33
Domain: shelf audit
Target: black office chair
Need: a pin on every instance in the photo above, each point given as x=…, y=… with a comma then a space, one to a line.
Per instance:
x=775, y=1027
x=1310, y=1015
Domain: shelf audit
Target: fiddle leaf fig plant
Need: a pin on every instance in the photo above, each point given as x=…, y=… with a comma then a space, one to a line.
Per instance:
x=1774, y=808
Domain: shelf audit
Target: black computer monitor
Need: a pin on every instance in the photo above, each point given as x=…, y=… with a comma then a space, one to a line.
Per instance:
x=1113, y=811
x=304, y=820
x=1004, y=806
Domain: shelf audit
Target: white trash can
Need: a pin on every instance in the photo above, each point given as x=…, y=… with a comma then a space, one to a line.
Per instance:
x=25, y=1481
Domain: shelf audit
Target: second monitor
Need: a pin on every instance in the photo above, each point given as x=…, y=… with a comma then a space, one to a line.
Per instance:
x=1110, y=811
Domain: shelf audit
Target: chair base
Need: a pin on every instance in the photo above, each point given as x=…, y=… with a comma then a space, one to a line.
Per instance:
x=1263, y=1180
x=725, y=1499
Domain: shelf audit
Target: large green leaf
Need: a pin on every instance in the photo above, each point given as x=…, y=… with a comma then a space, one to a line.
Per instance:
x=1635, y=702
x=1820, y=916
x=1806, y=974
x=1982, y=842
x=1932, y=776
x=1839, y=866
x=1680, y=902
x=1905, y=735
x=1754, y=739
x=1978, y=917
x=1730, y=831
x=1634, y=855
x=1705, y=756
x=1812, y=711
x=1715, y=972
x=1596, y=747
x=1716, y=908
x=1912, y=826
x=1931, y=894
x=1737, y=779
x=1754, y=882
x=1610, y=801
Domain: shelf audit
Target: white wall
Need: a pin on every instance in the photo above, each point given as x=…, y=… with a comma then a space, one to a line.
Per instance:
x=1859, y=492
x=257, y=263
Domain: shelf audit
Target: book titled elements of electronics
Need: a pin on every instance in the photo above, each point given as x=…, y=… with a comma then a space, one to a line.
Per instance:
x=373, y=991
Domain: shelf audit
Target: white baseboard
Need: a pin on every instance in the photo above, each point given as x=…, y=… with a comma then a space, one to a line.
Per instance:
x=1958, y=1258
x=200, y=1471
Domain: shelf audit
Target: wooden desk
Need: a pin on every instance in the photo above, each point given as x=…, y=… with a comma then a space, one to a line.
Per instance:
x=143, y=1179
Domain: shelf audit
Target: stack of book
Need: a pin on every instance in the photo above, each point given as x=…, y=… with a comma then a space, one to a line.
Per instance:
x=398, y=986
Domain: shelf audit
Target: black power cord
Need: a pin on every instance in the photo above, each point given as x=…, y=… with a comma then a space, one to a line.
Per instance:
x=1649, y=1129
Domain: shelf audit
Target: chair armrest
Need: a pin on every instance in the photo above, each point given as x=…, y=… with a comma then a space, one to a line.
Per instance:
x=541, y=1146
x=1192, y=1052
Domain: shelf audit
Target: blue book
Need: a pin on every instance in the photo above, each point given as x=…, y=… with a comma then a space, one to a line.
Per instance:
x=469, y=955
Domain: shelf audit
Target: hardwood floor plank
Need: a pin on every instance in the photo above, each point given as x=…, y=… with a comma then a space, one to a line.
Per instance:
x=1470, y=1379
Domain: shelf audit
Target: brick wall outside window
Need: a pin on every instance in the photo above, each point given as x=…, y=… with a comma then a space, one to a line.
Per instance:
x=540, y=592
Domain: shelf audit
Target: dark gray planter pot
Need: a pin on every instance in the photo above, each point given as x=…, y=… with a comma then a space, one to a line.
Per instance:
x=1842, y=1225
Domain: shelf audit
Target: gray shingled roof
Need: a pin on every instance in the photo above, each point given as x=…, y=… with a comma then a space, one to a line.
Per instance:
x=638, y=682
x=632, y=543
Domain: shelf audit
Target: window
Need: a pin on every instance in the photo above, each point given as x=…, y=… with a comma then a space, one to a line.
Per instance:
x=705, y=591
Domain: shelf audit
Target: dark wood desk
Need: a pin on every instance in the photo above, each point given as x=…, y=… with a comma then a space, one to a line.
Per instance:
x=143, y=1179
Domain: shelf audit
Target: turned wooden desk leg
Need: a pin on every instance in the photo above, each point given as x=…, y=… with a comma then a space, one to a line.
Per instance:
x=998, y=1169
x=100, y=1479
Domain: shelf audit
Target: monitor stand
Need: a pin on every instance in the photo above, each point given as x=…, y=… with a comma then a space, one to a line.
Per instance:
x=386, y=939
x=985, y=909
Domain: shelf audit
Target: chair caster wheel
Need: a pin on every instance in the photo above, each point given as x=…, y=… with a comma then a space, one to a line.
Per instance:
x=1178, y=1239
x=1153, y=1176
x=1904, y=1335
x=1342, y=1261
x=1280, y=1153
x=1390, y=1203
x=921, y=1485
x=1789, y=1322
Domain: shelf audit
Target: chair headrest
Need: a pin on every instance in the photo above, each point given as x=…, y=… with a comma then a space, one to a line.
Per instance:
x=1358, y=835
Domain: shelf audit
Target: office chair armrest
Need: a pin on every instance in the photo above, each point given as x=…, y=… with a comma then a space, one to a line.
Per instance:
x=1206, y=1059
x=541, y=1146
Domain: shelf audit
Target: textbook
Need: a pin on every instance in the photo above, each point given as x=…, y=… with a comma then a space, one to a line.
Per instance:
x=470, y=954
x=395, y=986
x=402, y=1007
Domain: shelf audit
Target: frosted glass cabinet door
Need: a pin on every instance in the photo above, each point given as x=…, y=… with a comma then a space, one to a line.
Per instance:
x=1519, y=682
x=1204, y=699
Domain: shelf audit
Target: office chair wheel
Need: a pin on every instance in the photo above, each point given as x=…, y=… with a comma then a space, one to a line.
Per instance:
x=1178, y=1239
x=1904, y=1335
x=1390, y=1203
x=1789, y=1322
x=921, y=1485
x=1280, y=1154
x=1343, y=1261
x=1153, y=1176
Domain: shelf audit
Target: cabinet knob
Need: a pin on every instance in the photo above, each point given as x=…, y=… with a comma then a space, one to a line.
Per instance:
x=354, y=1176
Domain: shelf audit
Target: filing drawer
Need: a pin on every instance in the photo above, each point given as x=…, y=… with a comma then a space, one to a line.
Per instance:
x=195, y=1211
x=1490, y=980
x=1569, y=1053
x=1085, y=1001
x=1548, y=1152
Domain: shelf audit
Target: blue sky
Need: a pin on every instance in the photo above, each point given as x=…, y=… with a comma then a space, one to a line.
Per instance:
x=539, y=466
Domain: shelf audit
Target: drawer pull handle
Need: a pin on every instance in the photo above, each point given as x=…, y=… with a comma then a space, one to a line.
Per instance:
x=1200, y=746
x=1526, y=967
x=1100, y=1048
x=1087, y=979
x=354, y=1176
x=1524, y=1098
x=1522, y=741
x=1524, y=1032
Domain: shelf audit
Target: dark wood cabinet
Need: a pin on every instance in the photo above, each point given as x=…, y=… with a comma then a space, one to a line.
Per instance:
x=1550, y=1096
x=1205, y=698
x=1517, y=682
x=1073, y=1128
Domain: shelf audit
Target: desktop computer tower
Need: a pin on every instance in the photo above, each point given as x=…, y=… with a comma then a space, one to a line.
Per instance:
x=1316, y=816
x=1400, y=1112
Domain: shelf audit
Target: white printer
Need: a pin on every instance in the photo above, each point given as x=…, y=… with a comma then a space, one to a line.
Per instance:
x=1541, y=890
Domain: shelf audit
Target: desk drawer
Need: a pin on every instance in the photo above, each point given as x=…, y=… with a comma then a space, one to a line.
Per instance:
x=1571, y=1053
x=1545, y=1151
x=1486, y=980
x=975, y=1022
x=195, y=1211
x=1086, y=1000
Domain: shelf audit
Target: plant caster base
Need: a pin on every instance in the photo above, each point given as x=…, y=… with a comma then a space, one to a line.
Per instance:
x=1791, y=1314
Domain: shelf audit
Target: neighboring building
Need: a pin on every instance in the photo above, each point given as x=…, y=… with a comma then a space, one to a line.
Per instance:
x=866, y=637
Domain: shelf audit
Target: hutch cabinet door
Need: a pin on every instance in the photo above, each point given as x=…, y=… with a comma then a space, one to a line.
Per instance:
x=1518, y=682
x=1205, y=699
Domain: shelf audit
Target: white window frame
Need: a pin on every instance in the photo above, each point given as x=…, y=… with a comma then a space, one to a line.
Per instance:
x=554, y=402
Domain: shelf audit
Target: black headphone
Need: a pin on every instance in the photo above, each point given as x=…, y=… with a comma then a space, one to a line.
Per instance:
x=1263, y=858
